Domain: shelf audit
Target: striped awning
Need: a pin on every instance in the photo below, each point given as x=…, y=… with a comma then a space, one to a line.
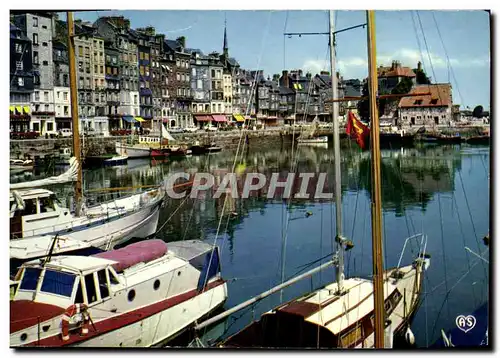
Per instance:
x=219, y=118
x=19, y=109
x=139, y=119
x=129, y=119
x=203, y=118
x=239, y=118
x=26, y=109
x=12, y=109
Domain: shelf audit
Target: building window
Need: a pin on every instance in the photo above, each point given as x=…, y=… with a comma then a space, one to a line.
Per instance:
x=80, y=50
x=199, y=84
x=45, y=63
x=19, y=65
x=35, y=22
x=178, y=77
x=35, y=39
x=20, y=81
x=65, y=96
x=44, y=44
x=19, y=48
x=50, y=126
x=45, y=96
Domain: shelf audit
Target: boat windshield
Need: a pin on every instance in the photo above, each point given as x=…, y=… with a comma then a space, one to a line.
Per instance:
x=54, y=282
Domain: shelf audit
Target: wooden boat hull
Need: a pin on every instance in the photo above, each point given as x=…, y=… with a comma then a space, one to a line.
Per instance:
x=323, y=319
x=131, y=151
x=478, y=140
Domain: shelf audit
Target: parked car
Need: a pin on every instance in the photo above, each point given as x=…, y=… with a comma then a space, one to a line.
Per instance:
x=65, y=132
x=176, y=130
x=211, y=129
x=190, y=129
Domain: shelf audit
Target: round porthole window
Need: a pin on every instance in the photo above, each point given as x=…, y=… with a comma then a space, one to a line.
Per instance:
x=131, y=295
x=156, y=285
x=23, y=337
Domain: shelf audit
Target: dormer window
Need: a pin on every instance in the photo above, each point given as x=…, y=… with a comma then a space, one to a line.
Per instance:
x=418, y=102
x=434, y=101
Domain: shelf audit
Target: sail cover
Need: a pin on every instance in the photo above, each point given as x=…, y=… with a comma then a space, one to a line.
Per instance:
x=68, y=176
x=166, y=134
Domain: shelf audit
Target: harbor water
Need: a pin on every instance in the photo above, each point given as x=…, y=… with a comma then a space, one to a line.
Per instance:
x=439, y=190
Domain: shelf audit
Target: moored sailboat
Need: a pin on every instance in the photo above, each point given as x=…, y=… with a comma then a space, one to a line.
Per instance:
x=349, y=313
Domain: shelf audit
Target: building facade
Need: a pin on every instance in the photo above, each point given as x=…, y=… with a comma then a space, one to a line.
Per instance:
x=431, y=111
x=200, y=88
x=62, y=97
x=21, y=80
x=38, y=27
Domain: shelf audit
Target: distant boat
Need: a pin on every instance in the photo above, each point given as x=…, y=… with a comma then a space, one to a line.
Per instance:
x=105, y=160
x=322, y=139
x=19, y=165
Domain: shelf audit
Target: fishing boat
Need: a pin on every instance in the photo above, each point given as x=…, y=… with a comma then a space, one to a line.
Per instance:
x=108, y=160
x=19, y=165
x=481, y=139
x=142, y=295
x=199, y=149
x=348, y=313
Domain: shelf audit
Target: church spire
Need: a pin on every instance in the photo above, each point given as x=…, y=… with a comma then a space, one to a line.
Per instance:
x=225, y=49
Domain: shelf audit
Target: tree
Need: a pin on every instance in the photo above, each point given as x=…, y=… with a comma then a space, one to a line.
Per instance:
x=478, y=112
x=421, y=78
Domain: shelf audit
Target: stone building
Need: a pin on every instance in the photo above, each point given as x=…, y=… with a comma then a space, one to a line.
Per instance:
x=21, y=80
x=200, y=87
x=145, y=93
x=62, y=96
x=430, y=111
x=84, y=36
x=37, y=26
x=216, y=89
x=389, y=77
x=180, y=82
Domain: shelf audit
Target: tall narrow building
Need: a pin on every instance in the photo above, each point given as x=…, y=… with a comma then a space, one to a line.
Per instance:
x=21, y=81
x=230, y=81
x=37, y=26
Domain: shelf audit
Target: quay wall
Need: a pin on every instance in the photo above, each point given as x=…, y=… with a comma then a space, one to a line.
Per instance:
x=39, y=148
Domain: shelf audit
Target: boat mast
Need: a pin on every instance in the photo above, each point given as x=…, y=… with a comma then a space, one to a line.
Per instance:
x=74, y=111
x=336, y=150
x=378, y=288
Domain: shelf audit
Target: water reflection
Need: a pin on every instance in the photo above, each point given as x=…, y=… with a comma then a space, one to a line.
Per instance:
x=442, y=191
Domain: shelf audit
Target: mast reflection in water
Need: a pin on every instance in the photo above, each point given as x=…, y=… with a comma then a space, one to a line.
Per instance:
x=442, y=191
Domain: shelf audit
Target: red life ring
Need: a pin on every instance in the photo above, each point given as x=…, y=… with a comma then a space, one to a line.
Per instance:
x=70, y=312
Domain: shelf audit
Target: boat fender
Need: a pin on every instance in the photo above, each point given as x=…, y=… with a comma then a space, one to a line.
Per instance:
x=409, y=336
x=71, y=311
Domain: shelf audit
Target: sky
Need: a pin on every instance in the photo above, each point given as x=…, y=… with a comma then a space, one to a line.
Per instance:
x=256, y=40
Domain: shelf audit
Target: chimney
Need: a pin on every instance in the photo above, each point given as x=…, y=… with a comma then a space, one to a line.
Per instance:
x=300, y=73
x=419, y=66
x=308, y=75
x=285, y=79
x=276, y=77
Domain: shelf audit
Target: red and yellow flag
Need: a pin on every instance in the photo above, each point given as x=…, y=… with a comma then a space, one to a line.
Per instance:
x=357, y=130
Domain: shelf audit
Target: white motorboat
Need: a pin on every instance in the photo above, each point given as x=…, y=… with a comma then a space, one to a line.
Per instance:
x=142, y=295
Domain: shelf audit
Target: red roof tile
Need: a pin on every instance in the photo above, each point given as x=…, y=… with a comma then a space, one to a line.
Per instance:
x=440, y=96
x=395, y=71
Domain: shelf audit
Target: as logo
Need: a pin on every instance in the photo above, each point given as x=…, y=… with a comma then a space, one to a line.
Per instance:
x=465, y=323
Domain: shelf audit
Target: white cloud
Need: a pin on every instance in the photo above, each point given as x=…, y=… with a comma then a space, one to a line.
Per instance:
x=358, y=67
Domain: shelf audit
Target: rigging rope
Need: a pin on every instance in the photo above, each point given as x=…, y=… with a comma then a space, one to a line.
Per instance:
x=448, y=59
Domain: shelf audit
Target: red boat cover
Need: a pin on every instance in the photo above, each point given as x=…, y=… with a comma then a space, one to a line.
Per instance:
x=143, y=251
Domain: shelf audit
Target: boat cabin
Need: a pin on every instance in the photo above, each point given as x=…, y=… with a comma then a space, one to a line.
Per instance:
x=33, y=209
x=292, y=326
